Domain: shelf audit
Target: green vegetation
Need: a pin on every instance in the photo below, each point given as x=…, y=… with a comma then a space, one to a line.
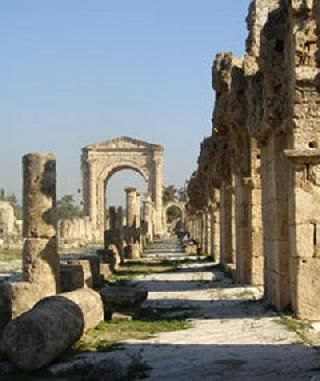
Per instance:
x=169, y=193
x=109, y=335
x=133, y=269
x=10, y=255
x=295, y=326
x=67, y=209
x=173, y=213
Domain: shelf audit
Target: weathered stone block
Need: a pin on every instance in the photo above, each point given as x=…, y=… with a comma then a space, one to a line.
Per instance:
x=94, y=261
x=123, y=298
x=17, y=298
x=133, y=251
x=86, y=271
x=71, y=277
x=105, y=271
x=41, y=264
x=37, y=337
x=305, y=287
x=302, y=240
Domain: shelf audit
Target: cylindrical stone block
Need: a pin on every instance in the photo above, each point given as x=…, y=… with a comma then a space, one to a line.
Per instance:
x=36, y=338
x=39, y=196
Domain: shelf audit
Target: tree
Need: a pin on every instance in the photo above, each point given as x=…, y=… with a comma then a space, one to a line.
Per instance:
x=67, y=209
x=182, y=194
x=169, y=193
x=173, y=213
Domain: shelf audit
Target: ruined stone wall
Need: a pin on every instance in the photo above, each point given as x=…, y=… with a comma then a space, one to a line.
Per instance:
x=75, y=233
x=264, y=157
x=10, y=228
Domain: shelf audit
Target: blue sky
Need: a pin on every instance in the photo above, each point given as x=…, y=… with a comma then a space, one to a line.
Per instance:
x=75, y=72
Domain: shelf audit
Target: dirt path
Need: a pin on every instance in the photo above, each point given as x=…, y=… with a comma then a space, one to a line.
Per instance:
x=233, y=335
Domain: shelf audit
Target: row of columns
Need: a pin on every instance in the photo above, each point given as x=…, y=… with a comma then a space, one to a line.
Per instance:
x=263, y=159
x=132, y=233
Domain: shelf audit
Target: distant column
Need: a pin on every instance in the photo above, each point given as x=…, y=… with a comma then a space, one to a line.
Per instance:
x=138, y=210
x=131, y=206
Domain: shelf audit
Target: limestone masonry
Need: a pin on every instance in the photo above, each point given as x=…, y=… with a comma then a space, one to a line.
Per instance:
x=254, y=198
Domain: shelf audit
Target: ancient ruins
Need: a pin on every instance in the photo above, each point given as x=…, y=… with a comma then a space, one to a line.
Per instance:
x=100, y=161
x=254, y=198
x=253, y=204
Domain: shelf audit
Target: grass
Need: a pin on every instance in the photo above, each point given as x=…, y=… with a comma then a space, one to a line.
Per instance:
x=10, y=255
x=91, y=247
x=109, y=335
x=245, y=294
x=132, y=270
x=295, y=326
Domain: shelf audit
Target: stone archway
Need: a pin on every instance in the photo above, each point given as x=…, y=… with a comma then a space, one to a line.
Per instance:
x=177, y=204
x=100, y=161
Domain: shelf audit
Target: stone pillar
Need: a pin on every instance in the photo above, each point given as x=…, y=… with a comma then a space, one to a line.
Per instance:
x=147, y=216
x=203, y=230
x=215, y=227
x=256, y=269
x=132, y=233
x=234, y=224
x=40, y=257
x=114, y=235
x=208, y=233
x=131, y=206
x=275, y=171
x=138, y=210
x=92, y=197
x=226, y=224
x=158, y=190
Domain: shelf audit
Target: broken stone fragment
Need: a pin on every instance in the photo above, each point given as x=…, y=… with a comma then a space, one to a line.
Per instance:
x=123, y=298
x=107, y=369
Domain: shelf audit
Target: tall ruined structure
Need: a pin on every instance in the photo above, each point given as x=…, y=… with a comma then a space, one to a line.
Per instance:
x=260, y=168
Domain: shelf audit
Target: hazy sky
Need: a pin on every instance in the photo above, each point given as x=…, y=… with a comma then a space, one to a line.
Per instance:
x=76, y=72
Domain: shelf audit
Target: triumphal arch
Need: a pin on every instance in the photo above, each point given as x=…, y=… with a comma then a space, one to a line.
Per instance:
x=100, y=161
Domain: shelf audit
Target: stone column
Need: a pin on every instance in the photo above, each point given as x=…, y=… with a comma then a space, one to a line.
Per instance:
x=158, y=190
x=132, y=233
x=203, y=230
x=147, y=216
x=131, y=206
x=215, y=228
x=275, y=171
x=138, y=210
x=208, y=248
x=40, y=257
x=92, y=196
x=256, y=273
x=226, y=223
